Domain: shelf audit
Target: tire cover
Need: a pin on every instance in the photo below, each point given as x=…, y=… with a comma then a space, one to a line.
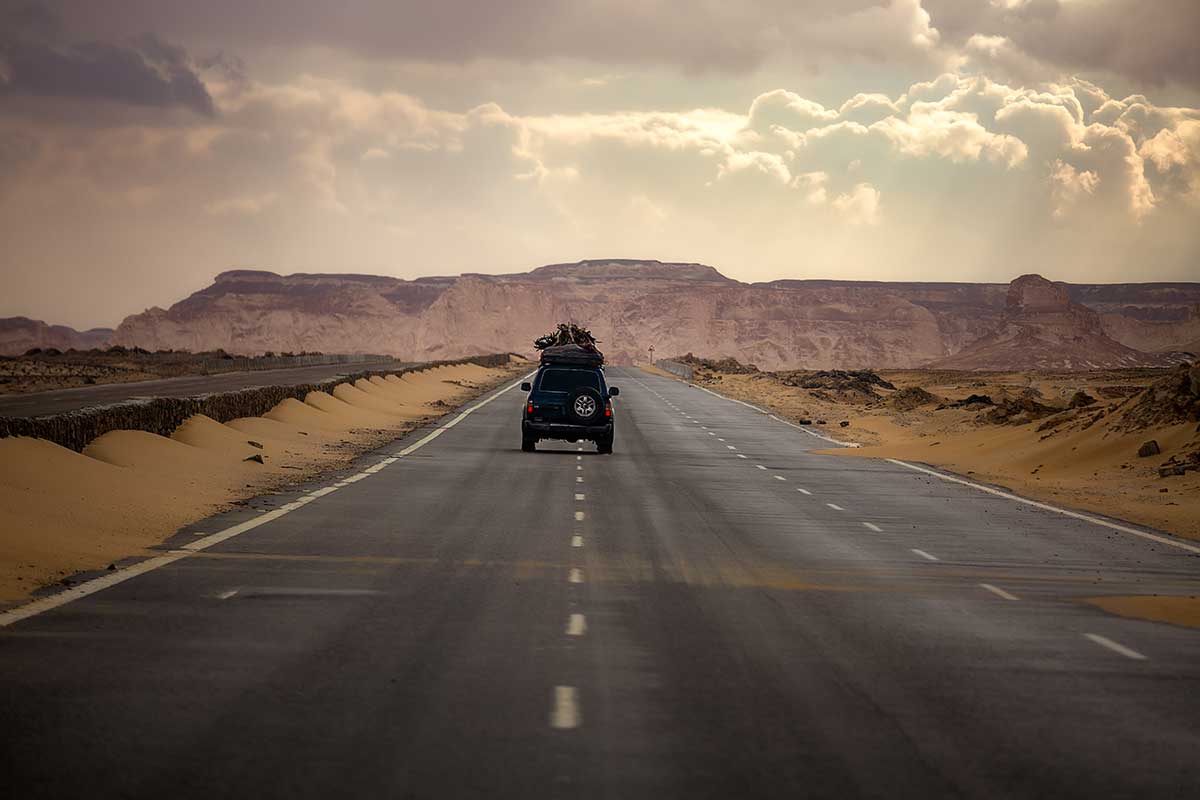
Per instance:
x=582, y=401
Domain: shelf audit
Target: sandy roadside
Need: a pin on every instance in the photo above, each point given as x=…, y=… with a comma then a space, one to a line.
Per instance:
x=63, y=512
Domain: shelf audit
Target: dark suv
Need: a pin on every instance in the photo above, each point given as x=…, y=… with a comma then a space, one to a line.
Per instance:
x=568, y=402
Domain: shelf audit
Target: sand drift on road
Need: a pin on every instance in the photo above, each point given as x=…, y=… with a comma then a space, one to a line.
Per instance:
x=63, y=512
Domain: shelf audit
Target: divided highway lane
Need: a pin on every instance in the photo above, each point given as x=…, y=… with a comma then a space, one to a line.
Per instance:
x=59, y=401
x=672, y=620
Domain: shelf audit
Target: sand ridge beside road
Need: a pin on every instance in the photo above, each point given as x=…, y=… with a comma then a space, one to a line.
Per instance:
x=63, y=512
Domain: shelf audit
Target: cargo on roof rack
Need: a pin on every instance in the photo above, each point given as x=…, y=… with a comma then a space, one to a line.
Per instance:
x=572, y=355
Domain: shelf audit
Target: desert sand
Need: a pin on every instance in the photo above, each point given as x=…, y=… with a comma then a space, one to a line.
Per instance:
x=63, y=512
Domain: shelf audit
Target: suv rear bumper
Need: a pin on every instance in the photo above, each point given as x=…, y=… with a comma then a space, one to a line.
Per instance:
x=556, y=430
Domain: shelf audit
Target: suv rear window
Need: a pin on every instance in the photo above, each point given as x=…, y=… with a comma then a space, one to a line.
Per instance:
x=564, y=380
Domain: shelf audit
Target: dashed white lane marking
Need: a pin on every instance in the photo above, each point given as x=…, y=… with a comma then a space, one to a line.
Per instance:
x=576, y=625
x=925, y=555
x=579, y=516
x=780, y=478
x=803, y=491
x=996, y=590
x=579, y=479
x=835, y=506
x=565, y=714
x=575, y=575
x=760, y=466
x=1046, y=507
x=719, y=439
x=1116, y=647
x=579, y=468
x=739, y=455
x=710, y=433
x=226, y=594
x=142, y=567
x=576, y=541
x=579, y=458
x=579, y=496
x=873, y=526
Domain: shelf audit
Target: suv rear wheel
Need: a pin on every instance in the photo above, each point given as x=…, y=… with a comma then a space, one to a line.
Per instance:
x=604, y=445
x=528, y=444
x=584, y=405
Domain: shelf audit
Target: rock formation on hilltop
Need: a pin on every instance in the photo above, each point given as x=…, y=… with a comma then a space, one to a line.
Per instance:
x=1042, y=328
x=631, y=305
x=19, y=334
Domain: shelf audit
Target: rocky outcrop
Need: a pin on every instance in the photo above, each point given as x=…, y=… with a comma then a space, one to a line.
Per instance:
x=1042, y=328
x=21, y=334
x=630, y=306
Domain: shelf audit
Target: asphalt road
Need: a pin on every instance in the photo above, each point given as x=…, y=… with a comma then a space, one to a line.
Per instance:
x=58, y=401
x=674, y=620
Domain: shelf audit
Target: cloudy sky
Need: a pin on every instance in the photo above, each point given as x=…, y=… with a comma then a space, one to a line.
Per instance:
x=146, y=145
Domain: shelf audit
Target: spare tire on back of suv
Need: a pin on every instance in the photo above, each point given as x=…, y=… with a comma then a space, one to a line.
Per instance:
x=585, y=405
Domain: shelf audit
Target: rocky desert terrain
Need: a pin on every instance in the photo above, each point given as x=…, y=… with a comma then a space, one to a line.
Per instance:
x=631, y=305
x=1119, y=442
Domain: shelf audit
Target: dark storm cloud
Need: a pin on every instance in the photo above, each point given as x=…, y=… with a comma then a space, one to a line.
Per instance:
x=144, y=70
x=714, y=35
x=1150, y=42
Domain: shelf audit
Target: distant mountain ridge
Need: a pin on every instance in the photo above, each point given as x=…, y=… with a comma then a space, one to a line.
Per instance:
x=20, y=334
x=676, y=308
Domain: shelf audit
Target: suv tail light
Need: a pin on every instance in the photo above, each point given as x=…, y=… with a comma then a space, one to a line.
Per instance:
x=608, y=408
x=529, y=408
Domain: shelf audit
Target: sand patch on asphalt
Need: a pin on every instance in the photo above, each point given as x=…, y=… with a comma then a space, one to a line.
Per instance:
x=1156, y=608
x=63, y=512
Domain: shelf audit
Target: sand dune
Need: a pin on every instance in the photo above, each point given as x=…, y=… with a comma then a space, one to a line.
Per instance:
x=63, y=512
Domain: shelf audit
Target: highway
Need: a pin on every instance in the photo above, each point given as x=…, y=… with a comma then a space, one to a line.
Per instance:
x=712, y=611
x=59, y=401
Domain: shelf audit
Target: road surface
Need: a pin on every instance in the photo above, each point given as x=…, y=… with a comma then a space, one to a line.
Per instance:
x=712, y=611
x=58, y=401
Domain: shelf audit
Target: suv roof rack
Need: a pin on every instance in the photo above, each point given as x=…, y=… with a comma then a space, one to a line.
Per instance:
x=572, y=355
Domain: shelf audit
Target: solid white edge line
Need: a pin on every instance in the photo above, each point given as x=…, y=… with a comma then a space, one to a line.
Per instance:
x=86, y=588
x=89, y=587
x=996, y=590
x=1047, y=507
x=565, y=714
x=1116, y=647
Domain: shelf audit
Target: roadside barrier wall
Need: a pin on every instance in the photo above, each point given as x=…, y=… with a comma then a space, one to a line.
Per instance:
x=242, y=363
x=675, y=368
x=162, y=415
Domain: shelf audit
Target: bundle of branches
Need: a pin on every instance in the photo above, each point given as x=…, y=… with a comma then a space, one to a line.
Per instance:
x=568, y=333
